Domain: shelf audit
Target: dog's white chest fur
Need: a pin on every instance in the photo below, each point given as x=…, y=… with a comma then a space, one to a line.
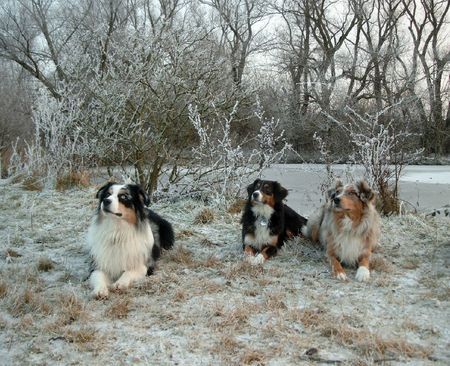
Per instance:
x=117, y=246
x=262, y=231
x=348, y=246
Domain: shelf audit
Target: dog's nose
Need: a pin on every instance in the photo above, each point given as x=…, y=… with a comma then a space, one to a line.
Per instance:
x=106, y=202
x=255, y=195
x=336, y=200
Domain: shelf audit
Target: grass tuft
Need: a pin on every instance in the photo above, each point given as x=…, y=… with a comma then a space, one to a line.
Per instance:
x=32, y=183
x=119, y=309
x=3, y=289
x=183, y=234
x=73, y=179
x=45, y=265
x=252, y=357
x=11, y=253
x=85, y=334
x=205, y=216
x=236, y=207
x=29, y=302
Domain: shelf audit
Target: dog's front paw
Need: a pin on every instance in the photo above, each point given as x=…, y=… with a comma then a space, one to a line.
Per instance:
x=256, y=260
x=362, y=274
x=100, y=293
x=121, y=284
x=341, y=276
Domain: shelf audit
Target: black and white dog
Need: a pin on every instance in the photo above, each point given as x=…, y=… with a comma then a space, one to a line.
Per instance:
x=266, y=221
x=125, y=238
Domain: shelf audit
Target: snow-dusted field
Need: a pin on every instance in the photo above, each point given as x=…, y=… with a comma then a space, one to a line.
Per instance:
x=205, y=306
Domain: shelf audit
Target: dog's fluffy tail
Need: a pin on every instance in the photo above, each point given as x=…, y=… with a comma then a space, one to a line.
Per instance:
x=162, y=230
x=312, y=228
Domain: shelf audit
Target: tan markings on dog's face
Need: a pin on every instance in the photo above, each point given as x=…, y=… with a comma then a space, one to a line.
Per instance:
x=348, y=200
x=118, y=202
x=265, y=193
x=125, y=206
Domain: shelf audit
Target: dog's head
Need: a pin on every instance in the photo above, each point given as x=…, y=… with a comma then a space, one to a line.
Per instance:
x=266, y=192
x=351, y=198
x=122, y=201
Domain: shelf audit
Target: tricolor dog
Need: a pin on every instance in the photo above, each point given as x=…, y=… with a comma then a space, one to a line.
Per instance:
x=125, y=238
x=267, y=222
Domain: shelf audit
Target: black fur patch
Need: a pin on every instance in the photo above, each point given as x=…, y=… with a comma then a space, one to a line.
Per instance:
x=283, y=222
x=133, y=196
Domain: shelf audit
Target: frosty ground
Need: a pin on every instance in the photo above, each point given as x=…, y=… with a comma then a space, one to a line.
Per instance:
x=204, y=305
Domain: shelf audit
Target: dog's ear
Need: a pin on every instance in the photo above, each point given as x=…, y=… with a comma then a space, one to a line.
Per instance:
x=251, y=187
x=331, y=193
x=279, y=192
x=104, y=188
x=365, y=192
x=143, y=196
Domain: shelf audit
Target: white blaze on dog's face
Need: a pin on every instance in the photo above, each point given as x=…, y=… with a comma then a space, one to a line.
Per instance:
x=118, y=201
x=351, y=197
x=266, y=192
x=110, y=201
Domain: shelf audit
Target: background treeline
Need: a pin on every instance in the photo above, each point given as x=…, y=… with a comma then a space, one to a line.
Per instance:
x=112, y=82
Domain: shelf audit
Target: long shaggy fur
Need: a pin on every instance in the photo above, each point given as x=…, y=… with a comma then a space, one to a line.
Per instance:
x=125, y=238
x=348, y=225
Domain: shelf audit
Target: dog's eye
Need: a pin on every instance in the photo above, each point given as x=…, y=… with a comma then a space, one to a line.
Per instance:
x=352, y=193
x=124, y=197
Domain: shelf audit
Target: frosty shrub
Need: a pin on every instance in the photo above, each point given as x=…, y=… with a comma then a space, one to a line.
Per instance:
x=381, y=148
x=60, y=147
x=222, y=164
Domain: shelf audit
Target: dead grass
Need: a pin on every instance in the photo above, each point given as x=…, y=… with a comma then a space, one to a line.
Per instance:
x=184, y=234
x=180, y=296
x=45, y=264
x=84, y=334
x=26, y=322
x=205, y=216
x=32, y=183
x=275, y=302
x=228, y=343
x=180, y=255
x=373, y=345
x=3, y=289
x=243, y=269
x=212, y=262
x=379, y=264
x=72, y=308
x=29, y=302
x=410, y=263
x=11, y=253
x=119, y=309
x=310, y=318
x=232, y=319
x=236, y=207
x=208, y=243
x=73, y=179
x=252, y=357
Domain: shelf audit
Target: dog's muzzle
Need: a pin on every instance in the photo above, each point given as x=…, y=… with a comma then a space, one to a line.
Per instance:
x=256, y=196
x=105, y=205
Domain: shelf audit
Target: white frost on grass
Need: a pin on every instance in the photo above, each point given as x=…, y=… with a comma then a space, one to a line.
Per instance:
x=205, y=304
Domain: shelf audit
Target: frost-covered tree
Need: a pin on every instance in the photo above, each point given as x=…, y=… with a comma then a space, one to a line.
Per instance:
x=222, y=162
x=381, y=150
